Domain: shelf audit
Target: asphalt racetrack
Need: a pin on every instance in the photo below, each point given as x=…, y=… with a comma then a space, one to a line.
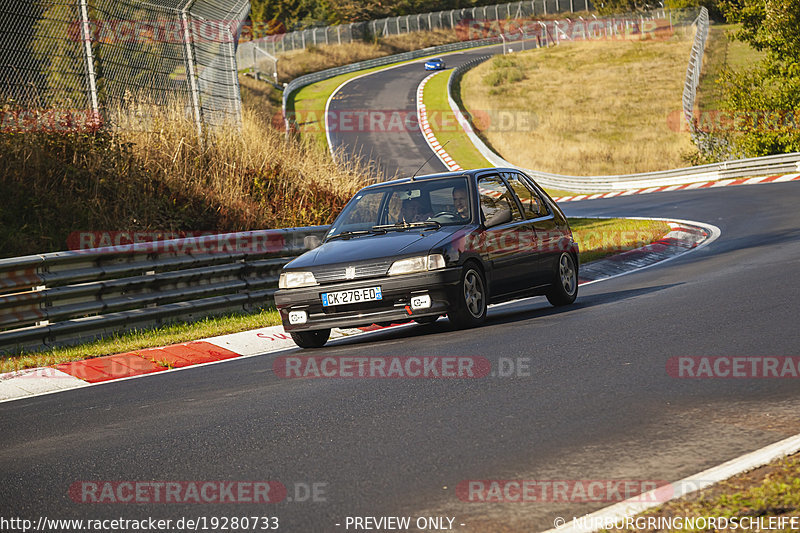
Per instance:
x=397, y=150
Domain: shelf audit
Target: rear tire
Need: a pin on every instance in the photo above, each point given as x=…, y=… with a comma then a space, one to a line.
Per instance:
x=565, y=281
x=311, y=339
x=469, y=309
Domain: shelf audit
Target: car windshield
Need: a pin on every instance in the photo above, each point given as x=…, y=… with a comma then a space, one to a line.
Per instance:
x=411, y=205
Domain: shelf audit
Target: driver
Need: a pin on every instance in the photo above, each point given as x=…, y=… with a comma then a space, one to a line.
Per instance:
x=413, y=211
x=461, y=202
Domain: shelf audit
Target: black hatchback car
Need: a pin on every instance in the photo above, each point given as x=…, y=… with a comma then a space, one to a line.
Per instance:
x=416, y=249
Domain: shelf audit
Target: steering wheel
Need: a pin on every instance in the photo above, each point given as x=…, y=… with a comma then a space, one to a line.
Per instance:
x=444, y=214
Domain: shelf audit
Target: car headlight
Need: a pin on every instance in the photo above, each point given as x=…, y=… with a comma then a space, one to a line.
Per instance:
x=417, y=264
x=293, y=280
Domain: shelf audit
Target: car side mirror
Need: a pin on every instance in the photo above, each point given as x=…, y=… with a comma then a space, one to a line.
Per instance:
x=311, y=241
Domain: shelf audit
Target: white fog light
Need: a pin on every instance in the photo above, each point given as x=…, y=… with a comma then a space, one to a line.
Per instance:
x=423, y=301
x=297, y=317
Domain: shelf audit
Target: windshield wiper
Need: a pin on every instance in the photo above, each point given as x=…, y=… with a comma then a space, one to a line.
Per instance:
x=348, y=234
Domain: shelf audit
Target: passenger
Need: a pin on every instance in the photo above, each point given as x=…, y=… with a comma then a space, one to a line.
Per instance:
x=461, y=202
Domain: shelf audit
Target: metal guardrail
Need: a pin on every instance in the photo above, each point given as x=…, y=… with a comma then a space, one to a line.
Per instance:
x=64, y=297
x=740, y=168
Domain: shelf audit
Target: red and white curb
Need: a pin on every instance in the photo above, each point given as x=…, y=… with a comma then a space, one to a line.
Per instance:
x=684, y=236
x=685, y=187
x=427, y=132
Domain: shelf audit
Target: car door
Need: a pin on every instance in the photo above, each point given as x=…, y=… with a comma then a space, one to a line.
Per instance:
x=547, y=235
x=505, y=235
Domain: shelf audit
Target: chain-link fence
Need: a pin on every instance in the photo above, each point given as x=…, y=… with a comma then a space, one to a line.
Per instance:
x=107, y=56
x=251, y=52
x=695, y=66
x=710, y=146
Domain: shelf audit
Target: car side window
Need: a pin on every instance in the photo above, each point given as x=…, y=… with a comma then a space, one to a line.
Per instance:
x=497, y=202
x=532, y=203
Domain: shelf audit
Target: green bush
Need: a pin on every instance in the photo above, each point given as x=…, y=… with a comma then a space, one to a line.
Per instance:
x=765, y=99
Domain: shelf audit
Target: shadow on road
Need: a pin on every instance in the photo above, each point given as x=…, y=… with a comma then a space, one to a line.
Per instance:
x=517, y=311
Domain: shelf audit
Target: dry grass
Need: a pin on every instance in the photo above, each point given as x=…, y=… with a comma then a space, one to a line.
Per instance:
x=595, y=108
x=315, y=58
x=159, y=176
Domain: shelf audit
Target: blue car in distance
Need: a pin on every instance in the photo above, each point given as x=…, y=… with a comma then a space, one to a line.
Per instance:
x=435, y=64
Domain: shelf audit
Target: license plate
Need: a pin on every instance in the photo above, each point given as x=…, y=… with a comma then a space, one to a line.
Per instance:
x=351, y=297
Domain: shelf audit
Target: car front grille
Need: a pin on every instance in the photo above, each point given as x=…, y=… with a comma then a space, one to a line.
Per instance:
x=338, y=273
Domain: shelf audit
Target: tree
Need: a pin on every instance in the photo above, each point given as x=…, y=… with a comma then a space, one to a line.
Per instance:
x=765, y=99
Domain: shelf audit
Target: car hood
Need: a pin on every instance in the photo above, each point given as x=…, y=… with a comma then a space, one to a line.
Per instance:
x=373, y=247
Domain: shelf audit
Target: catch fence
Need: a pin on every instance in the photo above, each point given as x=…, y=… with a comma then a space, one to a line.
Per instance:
x=85, y=62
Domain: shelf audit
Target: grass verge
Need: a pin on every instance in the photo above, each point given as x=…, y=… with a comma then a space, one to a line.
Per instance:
x=597, y=238
x=145, y=338
x=769, y=492
x=585, y=108
x=447, y=129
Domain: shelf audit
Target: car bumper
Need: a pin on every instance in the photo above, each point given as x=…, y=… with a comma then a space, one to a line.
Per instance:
x=440, y=285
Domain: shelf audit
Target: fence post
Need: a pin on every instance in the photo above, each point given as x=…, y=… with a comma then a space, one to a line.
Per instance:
x=191, y=72
x=237, y=100
x=89, y=57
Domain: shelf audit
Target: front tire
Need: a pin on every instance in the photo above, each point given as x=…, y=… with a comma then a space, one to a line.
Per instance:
x=469, y=309
x=565, y=281
x=311, y=339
